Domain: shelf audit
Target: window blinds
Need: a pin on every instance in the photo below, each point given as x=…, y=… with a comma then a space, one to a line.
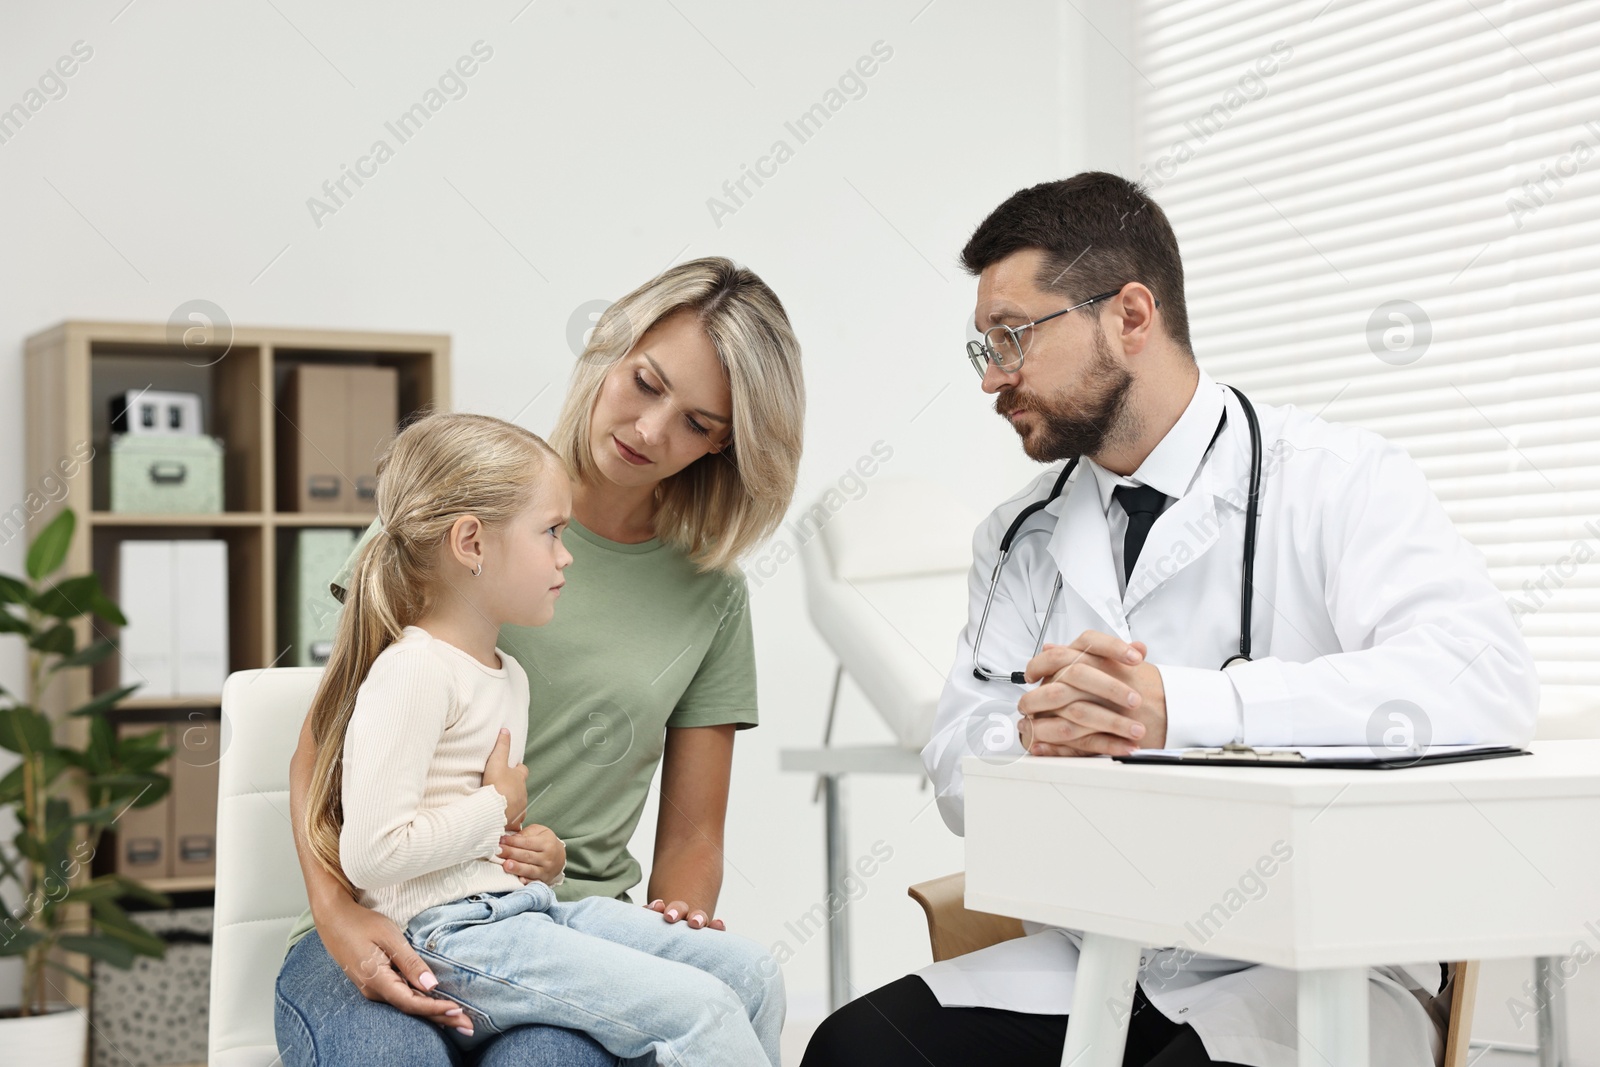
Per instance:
x=1390, y=214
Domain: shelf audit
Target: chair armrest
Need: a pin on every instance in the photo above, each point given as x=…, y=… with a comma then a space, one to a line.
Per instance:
x=953, y=930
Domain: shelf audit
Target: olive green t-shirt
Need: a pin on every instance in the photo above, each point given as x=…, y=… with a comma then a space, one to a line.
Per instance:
x=641, y=641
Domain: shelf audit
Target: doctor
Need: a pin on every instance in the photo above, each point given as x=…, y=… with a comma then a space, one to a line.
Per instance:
x=1122, y=597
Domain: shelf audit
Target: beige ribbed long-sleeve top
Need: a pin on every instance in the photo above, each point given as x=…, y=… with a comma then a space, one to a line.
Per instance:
x=420, y=826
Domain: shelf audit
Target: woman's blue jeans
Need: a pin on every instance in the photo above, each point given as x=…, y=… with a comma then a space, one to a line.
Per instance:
x=324, y=1021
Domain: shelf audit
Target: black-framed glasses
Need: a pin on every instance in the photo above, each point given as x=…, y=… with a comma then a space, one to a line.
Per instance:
x=1005, y=346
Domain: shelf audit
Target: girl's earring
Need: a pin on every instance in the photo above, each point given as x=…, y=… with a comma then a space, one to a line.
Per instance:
x=478, y=569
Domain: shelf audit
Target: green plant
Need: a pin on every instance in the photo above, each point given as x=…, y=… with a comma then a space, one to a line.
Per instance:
x=64, y=797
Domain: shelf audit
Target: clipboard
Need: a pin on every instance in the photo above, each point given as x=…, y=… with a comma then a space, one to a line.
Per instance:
x=1343, y=756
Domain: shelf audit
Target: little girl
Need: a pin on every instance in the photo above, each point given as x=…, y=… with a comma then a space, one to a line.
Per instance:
x=415, y=720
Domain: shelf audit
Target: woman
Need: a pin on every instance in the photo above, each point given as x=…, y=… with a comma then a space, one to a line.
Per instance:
x=682, y=427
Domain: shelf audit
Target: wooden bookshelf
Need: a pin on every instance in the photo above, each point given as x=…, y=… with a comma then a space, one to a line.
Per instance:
x=138, y=703
x=70, y=373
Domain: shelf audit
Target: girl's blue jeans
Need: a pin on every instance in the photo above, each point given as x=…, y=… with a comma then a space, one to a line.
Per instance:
x=642, y=987
x=323, y=1021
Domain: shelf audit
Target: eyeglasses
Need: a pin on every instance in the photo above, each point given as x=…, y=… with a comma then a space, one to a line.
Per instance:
x=1004, y=346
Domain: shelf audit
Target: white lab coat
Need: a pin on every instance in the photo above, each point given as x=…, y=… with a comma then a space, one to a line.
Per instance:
x=1365, y=594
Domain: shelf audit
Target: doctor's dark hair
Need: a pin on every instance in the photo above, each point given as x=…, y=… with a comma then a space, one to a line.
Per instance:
x=1098, y=231
x=440, y=468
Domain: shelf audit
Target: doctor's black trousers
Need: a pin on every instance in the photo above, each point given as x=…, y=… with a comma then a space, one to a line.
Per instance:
x=902, y=1024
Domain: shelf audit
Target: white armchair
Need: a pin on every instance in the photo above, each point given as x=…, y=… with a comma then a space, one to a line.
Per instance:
x=259, y=892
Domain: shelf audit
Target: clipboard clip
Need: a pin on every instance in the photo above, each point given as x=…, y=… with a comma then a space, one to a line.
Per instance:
x=1233, y=750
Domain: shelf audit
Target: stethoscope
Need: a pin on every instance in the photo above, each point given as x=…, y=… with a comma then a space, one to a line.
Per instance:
x=1245, y=595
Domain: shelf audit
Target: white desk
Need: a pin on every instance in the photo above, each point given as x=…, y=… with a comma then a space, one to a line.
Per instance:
x=1494, y=858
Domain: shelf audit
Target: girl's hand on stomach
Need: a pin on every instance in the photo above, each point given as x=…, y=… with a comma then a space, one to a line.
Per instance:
x=375, y=955
x=534, y=854
x=510, y=779
x=678, y=911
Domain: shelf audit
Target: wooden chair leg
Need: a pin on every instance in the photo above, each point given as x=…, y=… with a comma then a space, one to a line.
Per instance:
x=1463, y=998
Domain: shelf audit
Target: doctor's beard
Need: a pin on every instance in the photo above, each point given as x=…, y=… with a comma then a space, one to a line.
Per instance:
x=1079, y=422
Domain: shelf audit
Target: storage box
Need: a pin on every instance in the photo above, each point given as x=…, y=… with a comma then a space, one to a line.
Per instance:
x=334, y=422
x=162, y=473
x=157, y=1012
x=306, y=609
x=144, y=835
x=147, y=411
x=373, y=394
x=197, y=746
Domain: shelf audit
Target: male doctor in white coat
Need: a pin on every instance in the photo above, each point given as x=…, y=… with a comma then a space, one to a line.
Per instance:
x=1364, y=595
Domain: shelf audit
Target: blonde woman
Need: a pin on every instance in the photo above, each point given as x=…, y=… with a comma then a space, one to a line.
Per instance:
x=683, y=427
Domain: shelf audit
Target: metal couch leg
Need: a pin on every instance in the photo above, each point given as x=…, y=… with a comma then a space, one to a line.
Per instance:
x=839, y=901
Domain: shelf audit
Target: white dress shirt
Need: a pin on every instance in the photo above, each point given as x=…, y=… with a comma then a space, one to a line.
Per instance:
x=1173, y=467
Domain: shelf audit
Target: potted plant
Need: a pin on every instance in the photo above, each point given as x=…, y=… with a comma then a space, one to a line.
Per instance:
x=64, y=796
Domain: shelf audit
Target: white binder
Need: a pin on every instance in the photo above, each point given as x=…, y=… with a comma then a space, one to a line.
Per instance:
x=146, y=591
x=200, y=631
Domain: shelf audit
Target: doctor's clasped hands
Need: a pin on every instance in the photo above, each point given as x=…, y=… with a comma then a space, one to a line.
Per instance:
x=1098, y=696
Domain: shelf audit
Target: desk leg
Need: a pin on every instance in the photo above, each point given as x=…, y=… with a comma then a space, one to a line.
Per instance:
x=1102, y=1001
x=1333, y=1023
x=838, y=870
x=1547, y=980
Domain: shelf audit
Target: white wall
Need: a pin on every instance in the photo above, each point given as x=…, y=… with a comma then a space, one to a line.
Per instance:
x=179, y=163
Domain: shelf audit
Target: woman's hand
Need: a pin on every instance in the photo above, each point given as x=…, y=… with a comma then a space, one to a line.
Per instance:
x=696, y=766
x=510, y=779
x=376, y=956
x=678, y=911
x=533, y=854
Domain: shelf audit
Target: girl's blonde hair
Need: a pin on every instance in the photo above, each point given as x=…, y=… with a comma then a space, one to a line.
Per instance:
x=722, y=505
x=436, y=470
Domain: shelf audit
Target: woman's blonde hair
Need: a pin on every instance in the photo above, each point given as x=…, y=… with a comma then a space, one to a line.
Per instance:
x=722, y=505
x=436, y=470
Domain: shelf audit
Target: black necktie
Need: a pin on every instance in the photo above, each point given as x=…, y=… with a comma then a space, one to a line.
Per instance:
x=1142, y=504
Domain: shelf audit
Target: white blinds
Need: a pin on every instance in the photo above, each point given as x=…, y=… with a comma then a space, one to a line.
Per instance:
x=1322, y=161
